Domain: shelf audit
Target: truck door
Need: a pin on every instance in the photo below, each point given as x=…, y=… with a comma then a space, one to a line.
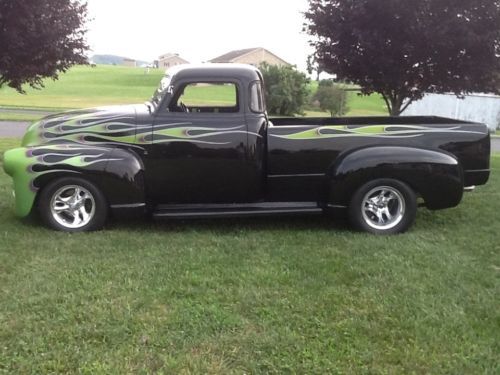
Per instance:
x=199, y=151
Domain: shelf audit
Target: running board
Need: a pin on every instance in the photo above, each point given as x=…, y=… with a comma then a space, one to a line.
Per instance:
x=192, y=211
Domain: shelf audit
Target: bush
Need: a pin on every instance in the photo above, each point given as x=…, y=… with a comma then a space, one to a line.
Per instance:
x=285, y=88
x=331, y=98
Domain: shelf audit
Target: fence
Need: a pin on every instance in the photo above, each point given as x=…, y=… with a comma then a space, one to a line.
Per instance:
x=477, y=107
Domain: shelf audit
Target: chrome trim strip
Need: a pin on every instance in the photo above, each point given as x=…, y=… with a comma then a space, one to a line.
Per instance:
x=336, y=206
x=477, y=170
x=199, y=214
x=296, y=175
x=133, y=205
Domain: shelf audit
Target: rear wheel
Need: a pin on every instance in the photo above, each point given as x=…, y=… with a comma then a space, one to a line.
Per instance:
x=72, y=205
x=383, y=206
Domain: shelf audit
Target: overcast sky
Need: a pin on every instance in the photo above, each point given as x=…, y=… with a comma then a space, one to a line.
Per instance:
x=198, y=30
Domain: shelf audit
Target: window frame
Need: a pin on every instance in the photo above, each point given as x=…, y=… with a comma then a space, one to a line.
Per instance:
x=181, y=85
x=262, y=97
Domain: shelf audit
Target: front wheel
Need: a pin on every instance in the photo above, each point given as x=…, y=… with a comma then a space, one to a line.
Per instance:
x=383, y=206
x=72, y=205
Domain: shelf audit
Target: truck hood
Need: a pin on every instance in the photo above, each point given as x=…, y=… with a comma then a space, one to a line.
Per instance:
x=86, y=126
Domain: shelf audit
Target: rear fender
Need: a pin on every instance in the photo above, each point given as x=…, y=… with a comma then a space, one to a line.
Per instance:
x=118, y=173
x=435, y=175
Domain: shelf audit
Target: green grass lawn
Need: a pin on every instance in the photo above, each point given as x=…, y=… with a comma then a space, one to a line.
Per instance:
x=358, y=105
x=84, y=86
x=280, y=295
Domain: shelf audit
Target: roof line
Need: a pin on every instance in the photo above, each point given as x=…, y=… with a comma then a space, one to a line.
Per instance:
x=247, y=53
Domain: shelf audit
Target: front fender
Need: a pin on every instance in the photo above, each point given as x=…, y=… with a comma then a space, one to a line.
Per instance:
x=111, y=169
x=436, y=176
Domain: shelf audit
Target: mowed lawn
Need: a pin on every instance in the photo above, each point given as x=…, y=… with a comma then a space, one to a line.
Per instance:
x=84, y=86
x=280, y=295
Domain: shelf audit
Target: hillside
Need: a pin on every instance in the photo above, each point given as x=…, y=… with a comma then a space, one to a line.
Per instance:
x=112, y=60
x=85, y=86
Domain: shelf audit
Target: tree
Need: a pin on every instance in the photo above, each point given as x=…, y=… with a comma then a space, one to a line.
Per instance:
x=285, y=88
x=405, y=48
x=39, y=39
x=331, y=98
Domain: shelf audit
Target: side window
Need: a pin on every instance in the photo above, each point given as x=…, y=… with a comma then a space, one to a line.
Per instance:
x=206, y=97
x=256, y=97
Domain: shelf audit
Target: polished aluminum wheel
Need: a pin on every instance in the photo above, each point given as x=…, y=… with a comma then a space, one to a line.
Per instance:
x=383, y=208
x=72, y=206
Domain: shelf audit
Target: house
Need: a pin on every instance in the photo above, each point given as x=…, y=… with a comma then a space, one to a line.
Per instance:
x=129, y=62
x=252, y=56
x=170, y=59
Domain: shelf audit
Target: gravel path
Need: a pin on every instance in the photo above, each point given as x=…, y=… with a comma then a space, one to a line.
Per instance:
x=26, y=111
x=495, y=144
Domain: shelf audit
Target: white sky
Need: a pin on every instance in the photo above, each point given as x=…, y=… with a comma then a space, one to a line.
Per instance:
x=198, y=30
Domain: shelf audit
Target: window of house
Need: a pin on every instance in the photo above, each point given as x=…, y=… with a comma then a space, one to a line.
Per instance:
x=206, y=97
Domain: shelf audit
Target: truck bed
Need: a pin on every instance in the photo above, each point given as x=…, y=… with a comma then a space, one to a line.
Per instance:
x=306, y=146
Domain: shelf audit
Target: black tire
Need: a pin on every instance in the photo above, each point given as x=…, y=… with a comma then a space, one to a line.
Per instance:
x=66, y=220
x=372, y=211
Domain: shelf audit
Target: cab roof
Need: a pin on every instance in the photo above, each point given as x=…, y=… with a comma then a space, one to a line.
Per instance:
x=242, y=72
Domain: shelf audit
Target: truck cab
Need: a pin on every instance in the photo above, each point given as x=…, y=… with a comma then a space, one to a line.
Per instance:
x=218, y=116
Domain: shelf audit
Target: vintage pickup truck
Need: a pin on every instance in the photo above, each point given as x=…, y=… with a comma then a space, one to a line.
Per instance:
x=183, y=156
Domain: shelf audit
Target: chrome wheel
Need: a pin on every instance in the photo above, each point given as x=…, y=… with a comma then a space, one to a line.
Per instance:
x=72, y=206
x=383, y=208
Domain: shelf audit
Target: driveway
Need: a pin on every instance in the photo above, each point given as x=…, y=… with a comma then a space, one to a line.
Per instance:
x=495, y=144
x=13, y=129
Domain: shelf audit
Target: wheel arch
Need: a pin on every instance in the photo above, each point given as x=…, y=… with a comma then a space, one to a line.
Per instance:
x=117, y=173
x=434, y=175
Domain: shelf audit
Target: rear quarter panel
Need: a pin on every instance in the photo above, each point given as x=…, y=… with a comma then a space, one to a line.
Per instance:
x=299, y=153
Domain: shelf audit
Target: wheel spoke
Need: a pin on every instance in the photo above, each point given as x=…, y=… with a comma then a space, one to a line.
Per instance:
x=83, y=197
x=380, y=218
x=76, y=218
x=61, y=199
x=83, y=213
x=382, y=194
x=387, y=214
x=76, y=194
x=370, y=208
x=61, y=208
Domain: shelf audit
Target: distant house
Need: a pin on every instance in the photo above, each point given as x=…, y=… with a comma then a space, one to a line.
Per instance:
x=170, y=59
x=252, y=56
x=129, y=62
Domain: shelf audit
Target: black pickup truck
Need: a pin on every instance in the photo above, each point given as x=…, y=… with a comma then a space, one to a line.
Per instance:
x=183, y=156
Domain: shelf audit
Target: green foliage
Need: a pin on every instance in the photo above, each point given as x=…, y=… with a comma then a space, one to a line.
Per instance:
x=331, y=98
x=39, y=39
x=286, y=89
x=405, y=48
x=279, y=295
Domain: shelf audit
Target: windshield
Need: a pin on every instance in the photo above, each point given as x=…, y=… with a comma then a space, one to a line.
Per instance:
x=161, y=91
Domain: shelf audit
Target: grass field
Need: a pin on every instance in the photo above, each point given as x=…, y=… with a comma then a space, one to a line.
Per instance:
x=302, y=295
x=84, y=86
